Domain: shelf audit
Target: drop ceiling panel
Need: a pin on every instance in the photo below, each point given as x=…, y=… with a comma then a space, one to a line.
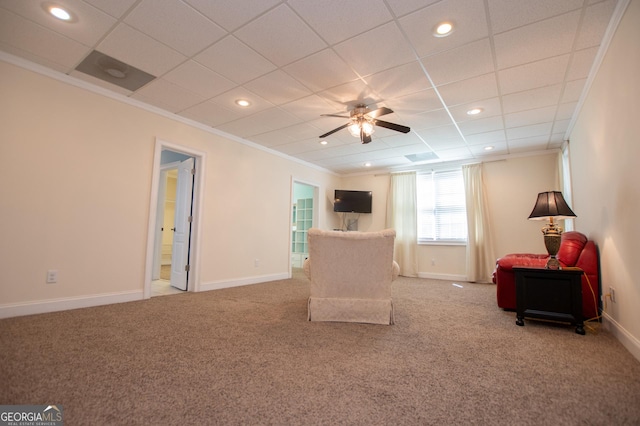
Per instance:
x=509, y=14
x=399, y=81
x=403, y=7
x=211, y=113
x=115, y=8
x=530, y=76
x=552, y=37
x=240, y=64
x=470, y=90
x=334, y=19
x=228, y=14
x=321, y=70
x=135, y=48
x=163, y=21
x=470, y=60
x=530, y=117
x=595, y=23
x=278, y=88
x=199, y=79
x=268, y=33
x=168, y=95
x=534, y=98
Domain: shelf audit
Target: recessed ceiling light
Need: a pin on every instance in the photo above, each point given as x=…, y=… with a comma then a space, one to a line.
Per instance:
x=367, y=164
x=60, y=13
x=323, y=142
x=488, y=148
x=475, y=111
x=443, y=29
x=243, y=102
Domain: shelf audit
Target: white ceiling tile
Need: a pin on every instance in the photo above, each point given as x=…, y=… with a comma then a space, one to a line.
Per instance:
x=427, y=120
x=399, y=81
x=481, y=125
x=299, y=147
x=534, y=98
x=199, y=79
x=240, y=63
x=509, y=14
x=545, y=39
x=402, y=7
x=261, y=122
x=426, y=100
x=281, y=27
x=440, y=143
x=560, y=126
x=530, y=117
x=491, y=138
x=490, y=107
x=278, y=87
x=566, y=111
x=288, y=135
x=115, y=8
x=172, y=97
x=470, y=60
x=581, y=63
x=229, y=14
x=467, y=15
x=470, y=90
x=135, y=48
x=390, y=50
x=497, y=148
x=175, y=24
x=595, y=23
x=543, y=129
x=321, y=70
x=534, y=143
x=573, y=90
x=348, y=95
x=460, y=153
x=309, y=108
x=211, y=113
x=87, y=27
x=401, y=140
x=39, y=41
x=531, y=76
x=334, y=19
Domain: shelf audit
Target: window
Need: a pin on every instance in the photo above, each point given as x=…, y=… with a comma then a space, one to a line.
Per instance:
x=442, y=214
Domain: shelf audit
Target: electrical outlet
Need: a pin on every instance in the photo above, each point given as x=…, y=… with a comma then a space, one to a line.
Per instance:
x=256, y=263
x=52, y=276
x=612, y=293
x=433, y=262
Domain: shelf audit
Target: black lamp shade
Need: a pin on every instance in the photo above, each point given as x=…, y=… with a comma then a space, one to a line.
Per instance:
x=551, y=204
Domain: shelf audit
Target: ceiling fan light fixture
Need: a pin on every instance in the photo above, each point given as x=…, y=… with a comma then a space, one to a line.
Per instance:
x=354, y=129
x=367, y=128
x=443, y=29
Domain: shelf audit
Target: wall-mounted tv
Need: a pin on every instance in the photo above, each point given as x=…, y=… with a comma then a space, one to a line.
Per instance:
x=352, y=201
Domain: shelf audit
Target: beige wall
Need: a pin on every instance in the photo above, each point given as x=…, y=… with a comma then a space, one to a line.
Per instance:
x=512, y=186
x=78, y=168
x=604, y=163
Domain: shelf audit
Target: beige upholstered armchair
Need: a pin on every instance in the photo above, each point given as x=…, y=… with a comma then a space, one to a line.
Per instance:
x=351, y=275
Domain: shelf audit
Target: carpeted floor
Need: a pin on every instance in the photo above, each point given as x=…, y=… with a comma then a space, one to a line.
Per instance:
x=247, y=355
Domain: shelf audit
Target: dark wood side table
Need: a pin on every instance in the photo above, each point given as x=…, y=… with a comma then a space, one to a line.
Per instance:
x=552, y=294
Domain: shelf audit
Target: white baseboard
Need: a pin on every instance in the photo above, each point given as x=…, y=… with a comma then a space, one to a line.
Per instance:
x=63, y=304
x=218, y=285
x=627, y=339
x=446, y=277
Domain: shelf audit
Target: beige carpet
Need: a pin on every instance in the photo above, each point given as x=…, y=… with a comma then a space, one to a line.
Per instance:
x=248, y=356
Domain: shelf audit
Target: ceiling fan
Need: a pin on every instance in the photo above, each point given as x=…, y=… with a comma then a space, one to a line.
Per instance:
x=362, y=120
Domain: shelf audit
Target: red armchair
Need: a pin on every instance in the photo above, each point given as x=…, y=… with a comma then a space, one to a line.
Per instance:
x=575, y=251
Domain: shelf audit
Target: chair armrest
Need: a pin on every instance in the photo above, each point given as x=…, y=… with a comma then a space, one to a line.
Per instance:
x=307, y=268
x=395, y=270
x=521, y=259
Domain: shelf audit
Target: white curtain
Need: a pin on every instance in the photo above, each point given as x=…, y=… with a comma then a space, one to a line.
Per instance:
x=565, y=181
x=480, y=254
x=402, y=216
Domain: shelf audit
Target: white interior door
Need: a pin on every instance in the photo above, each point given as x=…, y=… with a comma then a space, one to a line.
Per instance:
x=182, y=226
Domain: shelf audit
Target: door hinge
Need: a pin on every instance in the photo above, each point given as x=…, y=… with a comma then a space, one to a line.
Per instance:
x=193, y=171
x=187, y=268
x=190, y=219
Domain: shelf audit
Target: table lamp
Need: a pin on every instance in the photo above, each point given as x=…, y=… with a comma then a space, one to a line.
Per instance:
x=551, y=204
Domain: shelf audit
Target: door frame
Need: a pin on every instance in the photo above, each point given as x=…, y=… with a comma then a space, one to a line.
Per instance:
x=316, y=211
x=193, y=280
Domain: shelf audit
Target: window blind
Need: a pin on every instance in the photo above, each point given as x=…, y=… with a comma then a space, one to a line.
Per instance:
x=442, y=215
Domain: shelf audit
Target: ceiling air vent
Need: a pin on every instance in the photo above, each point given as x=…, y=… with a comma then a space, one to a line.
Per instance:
x=423, y=156
x=113, y=71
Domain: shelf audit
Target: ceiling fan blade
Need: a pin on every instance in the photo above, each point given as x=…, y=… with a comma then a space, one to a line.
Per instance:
x=392, y=126
x=334, y=115
x=334, y=130
x=379, y=112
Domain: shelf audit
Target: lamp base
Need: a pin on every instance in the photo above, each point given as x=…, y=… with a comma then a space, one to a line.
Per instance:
x=553, y=263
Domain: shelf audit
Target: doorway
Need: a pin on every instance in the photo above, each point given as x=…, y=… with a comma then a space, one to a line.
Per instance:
x=304, y=213
x=172, y=244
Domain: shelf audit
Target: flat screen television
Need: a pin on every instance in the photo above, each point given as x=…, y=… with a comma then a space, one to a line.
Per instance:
x=352, y=201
